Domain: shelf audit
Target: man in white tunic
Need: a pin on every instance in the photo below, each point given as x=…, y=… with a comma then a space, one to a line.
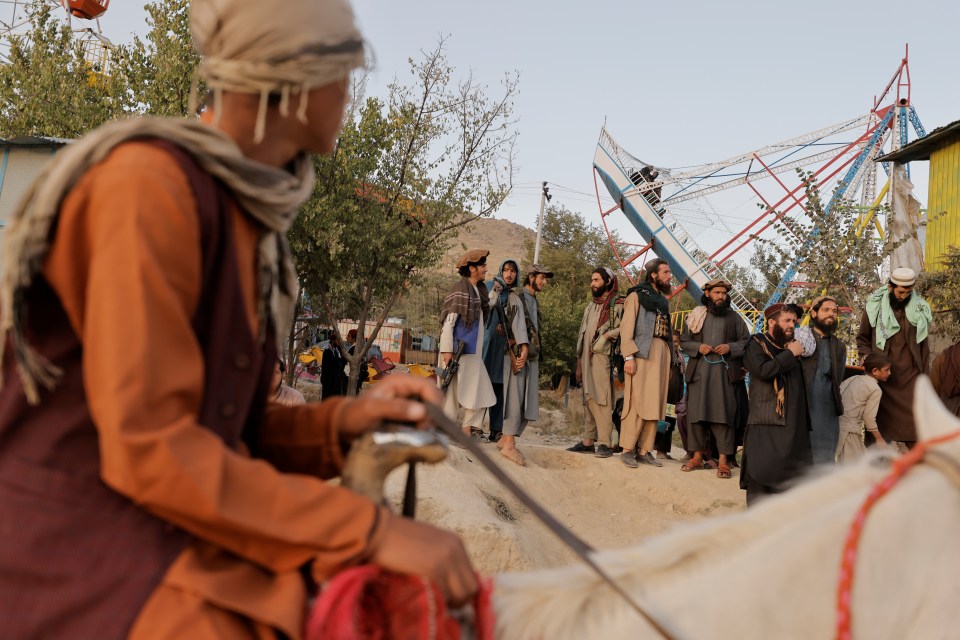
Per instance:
x=462, y=317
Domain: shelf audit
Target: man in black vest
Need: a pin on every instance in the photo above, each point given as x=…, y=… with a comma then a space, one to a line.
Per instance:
x=776, y=448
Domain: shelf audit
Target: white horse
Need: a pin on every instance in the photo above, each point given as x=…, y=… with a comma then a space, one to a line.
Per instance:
x=772, y=572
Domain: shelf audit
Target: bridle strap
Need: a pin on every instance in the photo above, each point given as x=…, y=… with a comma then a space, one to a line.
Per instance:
x=922, y=452
x=578, y=546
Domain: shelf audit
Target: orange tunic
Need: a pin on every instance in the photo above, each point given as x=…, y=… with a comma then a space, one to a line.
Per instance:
x=126, y=265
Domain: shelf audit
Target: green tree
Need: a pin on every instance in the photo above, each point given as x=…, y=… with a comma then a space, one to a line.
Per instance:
x=572, y=248
x=407, y=173
x=48, y=88
x=840, y=255
x=768, y=266
x=159, y=70
x=941, y=288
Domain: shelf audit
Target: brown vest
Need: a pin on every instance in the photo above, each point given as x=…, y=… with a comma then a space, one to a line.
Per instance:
x=78, y=560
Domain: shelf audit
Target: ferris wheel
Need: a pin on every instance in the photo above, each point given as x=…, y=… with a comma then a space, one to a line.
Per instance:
x=671, y=211
x=81, y=16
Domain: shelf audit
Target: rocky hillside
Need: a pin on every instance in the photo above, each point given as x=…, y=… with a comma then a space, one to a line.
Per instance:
x=503, y=238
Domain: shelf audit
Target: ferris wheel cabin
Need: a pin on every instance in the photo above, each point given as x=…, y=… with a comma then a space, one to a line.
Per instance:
x=86, y=9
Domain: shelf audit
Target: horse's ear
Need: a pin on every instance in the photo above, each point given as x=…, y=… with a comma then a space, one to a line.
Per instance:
x=932, y=418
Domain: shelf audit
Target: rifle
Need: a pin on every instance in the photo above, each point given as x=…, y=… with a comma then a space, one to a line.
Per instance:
x=446, y=375
x=512, y=347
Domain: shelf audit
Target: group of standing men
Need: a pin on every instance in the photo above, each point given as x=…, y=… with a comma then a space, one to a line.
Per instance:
x=493, y=335
x=641, y=323
x=797, y=398
x=792, y=415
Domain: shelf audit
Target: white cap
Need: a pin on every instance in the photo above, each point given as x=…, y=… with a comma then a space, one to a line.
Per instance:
x=904, y=277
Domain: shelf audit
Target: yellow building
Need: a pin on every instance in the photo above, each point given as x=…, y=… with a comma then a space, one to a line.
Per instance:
x=942, y=148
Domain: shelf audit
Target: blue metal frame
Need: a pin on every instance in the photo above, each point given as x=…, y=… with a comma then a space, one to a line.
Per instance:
x=841, y=190
x=648, y=234
x=917, y=126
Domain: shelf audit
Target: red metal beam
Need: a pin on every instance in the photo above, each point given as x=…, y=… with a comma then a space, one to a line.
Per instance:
x=777, y=178
x=604, y=214
x=603, y=219
x=781, y=214
x=677, y=290
x=641, y=252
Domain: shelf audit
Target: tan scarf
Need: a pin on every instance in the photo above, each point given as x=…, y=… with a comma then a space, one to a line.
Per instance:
x=280, y=47
x=696, y=318
x=270, y=195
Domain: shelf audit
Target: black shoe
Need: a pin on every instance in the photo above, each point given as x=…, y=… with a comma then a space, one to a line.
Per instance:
x=648, y=458
x=630, y=459
x=617, y=449
x=603, y=451
x=581, y=448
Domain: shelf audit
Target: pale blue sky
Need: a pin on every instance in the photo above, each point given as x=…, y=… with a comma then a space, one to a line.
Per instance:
x=679, y=83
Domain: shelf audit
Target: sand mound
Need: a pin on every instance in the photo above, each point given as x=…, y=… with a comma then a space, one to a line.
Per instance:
x=604, y=502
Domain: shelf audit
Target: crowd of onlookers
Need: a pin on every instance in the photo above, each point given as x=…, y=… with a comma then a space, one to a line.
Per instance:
x=772, y=403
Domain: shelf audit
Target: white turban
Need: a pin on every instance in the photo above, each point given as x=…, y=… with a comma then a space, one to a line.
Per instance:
x=274, y=47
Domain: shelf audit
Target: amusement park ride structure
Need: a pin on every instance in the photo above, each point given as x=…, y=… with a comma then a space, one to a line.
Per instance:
x=15, y=19
x=653, y=199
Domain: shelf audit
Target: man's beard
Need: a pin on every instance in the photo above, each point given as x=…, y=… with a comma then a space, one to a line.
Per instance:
x=781, y=336
x=718, y=308
x=662, y=287
x=598, y=293
x=899, y=305
x=826, y=329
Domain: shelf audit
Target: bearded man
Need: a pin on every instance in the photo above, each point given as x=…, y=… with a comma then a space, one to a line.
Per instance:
x=776, y=447
x=645, y=338
x=897, y=323
x=714, y=337
x=822, y=374
x=151, y=491
x=462, y=317
x=600, y=324
x=505, y=311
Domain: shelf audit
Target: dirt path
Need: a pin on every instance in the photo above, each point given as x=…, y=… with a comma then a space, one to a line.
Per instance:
x=606, y=503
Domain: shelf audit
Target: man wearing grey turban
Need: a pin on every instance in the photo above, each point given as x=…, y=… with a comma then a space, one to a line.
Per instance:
x=146, y=490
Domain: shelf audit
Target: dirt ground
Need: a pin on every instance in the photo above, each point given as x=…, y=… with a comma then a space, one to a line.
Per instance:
x=604, y=502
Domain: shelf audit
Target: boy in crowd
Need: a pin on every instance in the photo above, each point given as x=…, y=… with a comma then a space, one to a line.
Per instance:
x=861, y=398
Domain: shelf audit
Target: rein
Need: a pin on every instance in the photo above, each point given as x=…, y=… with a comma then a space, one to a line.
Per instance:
x=578, y=546
x=851, y=546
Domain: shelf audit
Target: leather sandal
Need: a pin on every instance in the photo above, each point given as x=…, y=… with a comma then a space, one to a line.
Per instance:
x=514, y=455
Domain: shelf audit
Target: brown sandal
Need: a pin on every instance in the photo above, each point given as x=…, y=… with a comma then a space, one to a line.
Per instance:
x=514, y=455
x=723, y=471
x=692, y=466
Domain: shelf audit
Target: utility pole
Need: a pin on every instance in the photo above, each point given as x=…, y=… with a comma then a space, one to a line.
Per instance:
x=544, y=198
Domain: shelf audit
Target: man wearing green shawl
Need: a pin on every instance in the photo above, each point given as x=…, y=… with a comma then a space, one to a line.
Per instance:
x=897, y=322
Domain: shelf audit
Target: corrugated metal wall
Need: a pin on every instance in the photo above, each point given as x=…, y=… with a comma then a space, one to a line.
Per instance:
x=19, y=166
x=944, y=195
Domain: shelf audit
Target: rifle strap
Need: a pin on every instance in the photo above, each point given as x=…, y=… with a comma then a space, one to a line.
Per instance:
x=578, y=546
